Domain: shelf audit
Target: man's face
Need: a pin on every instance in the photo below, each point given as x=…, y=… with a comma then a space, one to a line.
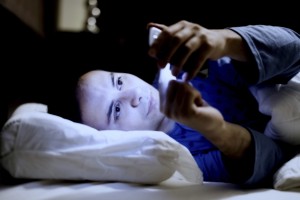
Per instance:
x=119, y=101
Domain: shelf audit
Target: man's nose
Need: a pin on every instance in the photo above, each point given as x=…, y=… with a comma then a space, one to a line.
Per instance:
x=133, y=95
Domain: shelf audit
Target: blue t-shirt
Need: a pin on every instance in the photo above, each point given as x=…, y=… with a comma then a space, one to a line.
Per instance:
x=227, y=92
x=226, y=88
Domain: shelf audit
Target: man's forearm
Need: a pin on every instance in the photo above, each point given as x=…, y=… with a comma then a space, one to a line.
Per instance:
x=233, y=140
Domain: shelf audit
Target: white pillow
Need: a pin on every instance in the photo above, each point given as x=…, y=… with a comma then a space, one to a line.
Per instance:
x=288, y=176
x=281, y=102
x=39, y=145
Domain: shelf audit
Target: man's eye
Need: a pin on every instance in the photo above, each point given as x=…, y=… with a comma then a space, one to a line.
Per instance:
x=117, y=111
x=119, y=83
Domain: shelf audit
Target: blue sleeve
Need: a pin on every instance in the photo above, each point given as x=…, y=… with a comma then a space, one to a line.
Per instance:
x=269, y=156
x=275, y=50
x=257, y=167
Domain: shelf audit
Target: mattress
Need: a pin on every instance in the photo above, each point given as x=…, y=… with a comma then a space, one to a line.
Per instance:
x=171, y=189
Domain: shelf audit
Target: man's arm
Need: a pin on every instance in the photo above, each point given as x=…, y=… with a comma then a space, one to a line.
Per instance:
x=275, y=53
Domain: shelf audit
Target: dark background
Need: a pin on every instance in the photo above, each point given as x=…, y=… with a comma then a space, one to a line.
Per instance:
x=45, y=69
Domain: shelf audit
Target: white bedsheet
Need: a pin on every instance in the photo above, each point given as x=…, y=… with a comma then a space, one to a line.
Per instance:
x=172, y=189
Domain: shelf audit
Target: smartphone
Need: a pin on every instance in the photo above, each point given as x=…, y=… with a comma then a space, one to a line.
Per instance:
x=153, y=35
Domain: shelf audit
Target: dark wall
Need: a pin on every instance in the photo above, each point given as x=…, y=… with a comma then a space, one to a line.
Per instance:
x=20, y=50
x=46, y=69
x=123, y=23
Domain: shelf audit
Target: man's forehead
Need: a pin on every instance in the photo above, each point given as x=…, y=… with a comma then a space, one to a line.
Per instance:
x=101, y=79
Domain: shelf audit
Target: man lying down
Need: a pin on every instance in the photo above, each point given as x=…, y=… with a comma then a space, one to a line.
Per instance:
x=217, y=118
x=231, y=122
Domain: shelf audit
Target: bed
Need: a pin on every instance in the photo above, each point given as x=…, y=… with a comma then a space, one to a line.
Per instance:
x=169, y=190
x=61, y=159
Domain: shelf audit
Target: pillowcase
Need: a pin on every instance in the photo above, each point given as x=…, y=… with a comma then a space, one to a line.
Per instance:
x=39, y=145
x=288, y=176
x=281, y=102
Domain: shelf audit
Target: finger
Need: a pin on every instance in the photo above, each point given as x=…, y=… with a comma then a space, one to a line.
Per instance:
x=172, y=53
x=179, y=59
x=198, y=101
x=166, y=44
x=157, y=25
x=193, y=69
x=169, y=42
x=156, y=44
x=186, y=52
x=183, y=102
x=170, y=100
x=195, y=63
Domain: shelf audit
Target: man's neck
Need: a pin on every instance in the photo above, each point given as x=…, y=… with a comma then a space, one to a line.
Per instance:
x=166, y=125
